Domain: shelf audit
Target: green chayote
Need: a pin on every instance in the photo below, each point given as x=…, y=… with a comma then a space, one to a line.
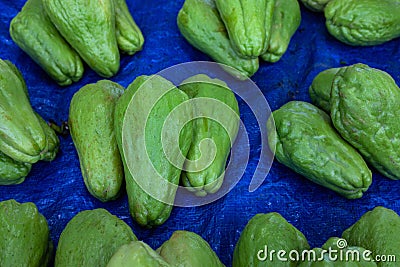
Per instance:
x=305, y=141
x=187, y=249
x=320, y=89
x=367, y=22
x=201, y=25
x=316, y=5
x=365, y=107
x=53, y=143
x=12, y=171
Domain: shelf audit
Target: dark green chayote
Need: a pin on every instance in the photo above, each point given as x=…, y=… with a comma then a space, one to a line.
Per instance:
x=336, y=253
x=89, y=27
x=263, y=233
x=367, y=22
x=91, y=238
x=32, y=30
x=286, y=20
x=315, y=5
x=25, y=237
x=365, y=107
x=305, y=141
x=218, y=110
x=320, y=89
x=91, y=121
x=188, y=249
x=200, y=24
x=136, y=253
x=378, y=231
x=12, y=171
x=129, y=37
x=248, y=23
x=151, y=178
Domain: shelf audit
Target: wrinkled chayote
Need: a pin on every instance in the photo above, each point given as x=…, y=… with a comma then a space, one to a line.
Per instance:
x=378, y=231
x=32, y=30
x=91, y=238
x=248, y=23
x=218, y=123
x=25, y=238
x=187, y=249
x=286, y=20
x=315, y=5
x=263, y=233
x=335, y=253
x=201, y=25
x=365, y=107
x=12, y=171
x=305, y=141
x=367, y=22
x=136, y=253
x=129, y=37
x=91, y=121
x=89, y=27
x=320, y=89
x=53, y=143
x=145, y=142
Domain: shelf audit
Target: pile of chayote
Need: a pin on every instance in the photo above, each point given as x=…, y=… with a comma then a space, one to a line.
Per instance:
x=58, y=34
x=237, y=32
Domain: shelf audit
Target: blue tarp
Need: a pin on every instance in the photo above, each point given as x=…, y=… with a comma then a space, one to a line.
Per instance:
x=57, y=187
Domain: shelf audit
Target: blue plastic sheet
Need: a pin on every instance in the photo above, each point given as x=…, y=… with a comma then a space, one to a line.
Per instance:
x=58, y=190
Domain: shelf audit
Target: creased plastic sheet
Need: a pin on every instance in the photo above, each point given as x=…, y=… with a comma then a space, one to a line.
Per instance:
x=58, y=190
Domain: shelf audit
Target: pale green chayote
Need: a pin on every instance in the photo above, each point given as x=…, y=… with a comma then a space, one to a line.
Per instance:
x=315, y=5
x=320, y=89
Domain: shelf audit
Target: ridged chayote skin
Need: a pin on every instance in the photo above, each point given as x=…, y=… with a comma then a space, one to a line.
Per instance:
x=129, y=37
x=315, y=5
x=11, y=171
x=91, y=238
x=378, y=231
x=89, y=27
x=25, y=237
x=367, y=22
x=365, y=107
x=91, y=122
x=200, y=24
x=22, y=137
x=136, y=253
x=139, y=123
x=320, y=89
x=187, y=249
x=248, y=23
x=332, y=255
x=273, y=231
x=286, y=20
x=53, y=143
x=35, y=34
x=305, y=141
x=213, y=136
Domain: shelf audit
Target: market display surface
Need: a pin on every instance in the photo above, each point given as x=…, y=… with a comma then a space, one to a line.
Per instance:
x=313, y=214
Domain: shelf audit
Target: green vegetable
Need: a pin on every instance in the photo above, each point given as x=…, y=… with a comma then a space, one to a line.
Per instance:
x=320, y=89
x=91, y=238
x=11, y=171
x=89, y=27
x=200, y=24
x=306, y=142
x=32, y=30
x=315, y=5
x=187, y=249
x=91, y=121
x=53, y=143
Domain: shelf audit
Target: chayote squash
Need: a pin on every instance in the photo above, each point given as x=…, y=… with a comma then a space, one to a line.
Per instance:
x=378, y=231
x=91, y=238
x=21, y=135
x=53, y=143
x=152, y=177
x=136, y=253
x=286, y=20
x=89, y=27
x=315, y=5
x=25, y=236
x=201, y=25
x=248, y=23
x=35, y=34
x=334, y=254
x=305, y=141
x=129, y=37
x=91, y=122
x=264, y=233
x=11, y=171
x=187, y=249
x=320, y=89
x=218, y=123
x=367, y=22
x=365, y=107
